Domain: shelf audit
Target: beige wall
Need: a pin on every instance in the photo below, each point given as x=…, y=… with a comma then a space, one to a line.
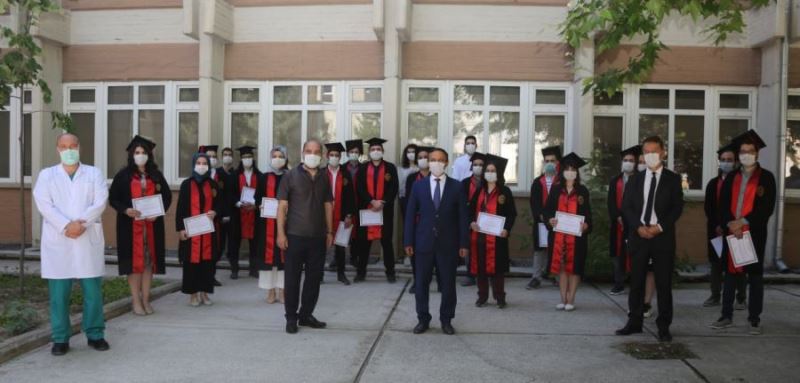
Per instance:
x=494, y=2
x=794, y=68
x=9, y=207
x=264, y=3
x=86, y=5
x=130, y=62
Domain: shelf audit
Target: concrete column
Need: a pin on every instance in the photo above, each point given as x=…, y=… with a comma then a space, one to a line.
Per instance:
x=212, y=90
x=392, y=64
x=582, y=121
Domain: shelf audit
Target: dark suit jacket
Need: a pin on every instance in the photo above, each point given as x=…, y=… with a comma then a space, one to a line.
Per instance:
x=428, y=229
x=668, y=207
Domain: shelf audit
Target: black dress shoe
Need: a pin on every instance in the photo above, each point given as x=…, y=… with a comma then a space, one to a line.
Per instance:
x=291, y=327
x=217, y=283
x=480, y=302
x=99, y=344
x=629, y=329
x=253, y=273
x=311, y=322
x=359, y=279
x=448, y=329
x=412, y=289
x=664, y=336
x=391, y=278
x=421, y=327
x=59, y=349
x=235, y=275
x=343, y=278
x=501, y=304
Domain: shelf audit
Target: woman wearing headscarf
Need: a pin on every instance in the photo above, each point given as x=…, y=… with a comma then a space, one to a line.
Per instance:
x=270, y=256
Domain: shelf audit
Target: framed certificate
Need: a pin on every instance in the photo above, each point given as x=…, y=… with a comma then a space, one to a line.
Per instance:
x=742, y=250
x=198, y=225
x=491, y=224
x=269, y=208
x=569, y=223
x=370, y=218
x=149, y=207
x=248, y=195
x=343, y=235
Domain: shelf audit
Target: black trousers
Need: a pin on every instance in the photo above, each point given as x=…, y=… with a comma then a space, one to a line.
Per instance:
x=304, y=253
x=446, y=262
x=661, y=251
x=716, y=276
x=755, y=279
x=338, y=259
x=233, y=254
x=388, y=255
x=223, y=240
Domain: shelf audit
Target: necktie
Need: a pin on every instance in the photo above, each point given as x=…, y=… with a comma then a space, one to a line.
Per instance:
x=437, y=195
x=648, y=213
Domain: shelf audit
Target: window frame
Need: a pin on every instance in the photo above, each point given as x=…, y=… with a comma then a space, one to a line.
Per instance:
x=791, y=115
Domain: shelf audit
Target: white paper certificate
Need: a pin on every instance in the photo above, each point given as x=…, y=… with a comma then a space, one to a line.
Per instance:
x=542, y=235
x=343, y=235
x=742, y=250
x=370, y=218
x=716, y=243
x=248, y=195
x=491, y=224
x=569, y=223
x=269, y=208
x=198, y=225
x=149, y=207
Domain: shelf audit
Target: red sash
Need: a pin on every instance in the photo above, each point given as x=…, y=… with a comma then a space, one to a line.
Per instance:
x=747, y=206
x=337, y=200
x=472, y=186
x=139, y=226
x=269, y=248
x=545, y=191
x=487, y=205
x=247, y=218
x=564, y=244
x=376, y=192
x=201, y=243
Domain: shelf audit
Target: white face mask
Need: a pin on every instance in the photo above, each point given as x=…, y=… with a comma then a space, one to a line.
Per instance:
x=726, y=167
x=470, y=148
x=353, y=157
x=311, y=160
x=422, y=163
x=227, y=160
x=376, y=155
x=477, y=170
x=641, y=167
x=247, y=163
x=653, y=160
x=490, y=177
x=213, y=161
x=277, y=163
x=627, y=166
x=747, y=159
x=437, y=168
x=334, y=161
x=411, y=156
x=201, y=169
x=570, y=175
x=140, y=159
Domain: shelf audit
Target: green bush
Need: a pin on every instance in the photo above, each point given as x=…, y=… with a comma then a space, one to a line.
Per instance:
x=19, y=317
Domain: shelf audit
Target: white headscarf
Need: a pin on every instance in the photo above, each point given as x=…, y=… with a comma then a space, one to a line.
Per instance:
x=283, y=150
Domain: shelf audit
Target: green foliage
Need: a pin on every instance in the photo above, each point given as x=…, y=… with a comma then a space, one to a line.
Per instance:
x=599, y=265
x=611, y=22
x=19, y=316
x=114, y=289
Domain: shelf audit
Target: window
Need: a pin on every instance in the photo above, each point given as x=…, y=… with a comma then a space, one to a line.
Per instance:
x=5, y=142
x=422, y=114
x=132, y=110
x=365, y=108
x=792, y=172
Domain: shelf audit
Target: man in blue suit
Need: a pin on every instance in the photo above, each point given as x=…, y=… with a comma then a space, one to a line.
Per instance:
x=436, y=233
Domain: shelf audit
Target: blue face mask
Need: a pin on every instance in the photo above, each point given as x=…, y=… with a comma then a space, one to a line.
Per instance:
x=550, y=168
x=70, y=157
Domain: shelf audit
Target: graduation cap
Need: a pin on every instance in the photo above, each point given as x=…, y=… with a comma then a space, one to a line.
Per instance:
x=477, y=156
x=335, y=147
x=749, y=137
x=143, y=141
x=552, y=151
x=354, y=144
x=245, y=150
x=426, y=149
x=633, y=151
x=731, y=147
x=208, y=148
x=499, y=162
x=375, y=141
x=573, y=160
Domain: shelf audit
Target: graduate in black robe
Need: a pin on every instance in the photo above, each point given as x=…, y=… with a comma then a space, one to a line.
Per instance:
x=471, y=185
x=243, y=214
x=540, y=189
x=617, y=246
x=489, y=258
x=343, y=202
x=355, y=149
x=140, y=242
x=271, y=258
x=220, y=176
x=198, y=195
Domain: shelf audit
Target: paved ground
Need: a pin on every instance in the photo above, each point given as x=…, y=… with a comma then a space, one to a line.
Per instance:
x=240, y=339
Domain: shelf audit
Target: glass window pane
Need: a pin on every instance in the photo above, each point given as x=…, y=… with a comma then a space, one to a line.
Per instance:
x=551, y=97
x=607, y=145
x=730, y=128
x=365, y=95
x=81, y=95
x=417, y=94
x=689, y=149
x=244, y=131
x=286, y=131
x=27, y=165
x=27, y=97
x=83, y=123
x=187, y=142
x=504, y=140
x=734, y=101
x=189, y=95
x=151, y=94
x=322, y=125
x=548, y=131
x=467, y=123
x=321, y=94
x=504, y=95
x=151, y=125
x=365, y=125
x=654, y=98
x=118, y=95
x=690, y=99
x=120, y=131
x=5, y=144
x=468, y=94
x=244, y=95
x=794, y=102
x=423, y=128
x=615, y=100
x=288, y=95
x=793, y=155
x=654, y=125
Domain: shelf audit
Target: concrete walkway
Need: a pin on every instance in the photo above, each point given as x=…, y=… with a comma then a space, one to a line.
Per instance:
x=241, y=339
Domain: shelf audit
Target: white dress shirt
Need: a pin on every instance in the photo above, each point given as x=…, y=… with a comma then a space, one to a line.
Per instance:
x=443, y=179
x=648, y=177
x=461, y=167
x=334, y=173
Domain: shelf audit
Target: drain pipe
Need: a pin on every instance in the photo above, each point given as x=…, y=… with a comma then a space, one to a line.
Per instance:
x=781, y=180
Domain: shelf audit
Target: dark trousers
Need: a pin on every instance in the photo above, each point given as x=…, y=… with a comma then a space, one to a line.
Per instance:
x=716, y=276
x=755, y=278
x=446, y=261
x=222, y=241
x=233, y=254
x=388, y=255
x=663, y=263
x=498, y=287
x=619, y=271
x=304, y=253
x=338, y=259
x=435, y=272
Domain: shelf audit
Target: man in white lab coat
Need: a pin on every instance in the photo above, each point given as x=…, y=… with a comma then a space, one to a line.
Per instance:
x=71, y=197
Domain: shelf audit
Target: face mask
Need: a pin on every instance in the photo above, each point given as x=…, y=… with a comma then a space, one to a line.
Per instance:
x=227, y=160
x=334, y=161
x=411, y=156
x=247, y=162
x=201, y=169
x=353, y=157
x=140, y=159
x=570, y=175
x=376, y=155
x=641, y=167
x=277, y=163
x=437, y=168
x=213, y=162
x=491, y=177
x=470, y=148
x=747, y=159
x=550, y=168
x=653, y=160
x=726, y=167
x=312, y=160
x=477, y=170
x=627, y=166
x=70, y=157
x=422, y=163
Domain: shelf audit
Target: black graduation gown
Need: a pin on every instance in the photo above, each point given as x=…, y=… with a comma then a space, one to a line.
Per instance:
x=347, y=198
x=583, y=208
x=262, y=237
x=616, y=245
x=197, y=277
x=466, y=183
x=233, y=195
x=478, y=249
x=390, y=189
x=537, y=203
x=711, y=207
x=119, y=197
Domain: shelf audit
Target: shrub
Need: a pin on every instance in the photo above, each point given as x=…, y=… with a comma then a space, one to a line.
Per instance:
x=19, y=317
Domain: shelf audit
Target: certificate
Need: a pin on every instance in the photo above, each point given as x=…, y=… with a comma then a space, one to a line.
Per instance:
x=491, y=224
x=343, y=235
x=149, y=207
x=716, y=243
x=569, y=223
x=248, y=195
x=269, y=208
x=370, y=218
x=198, y=225
x=742, y=250
x=543, y=235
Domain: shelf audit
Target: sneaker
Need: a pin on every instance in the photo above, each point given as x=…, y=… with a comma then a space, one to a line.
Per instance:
x=617, y=291
x=560, y=306
x=569, y=307
x=712, y=301
x=722, y=323
x=739, y=306
x=755, y=328
x=468, y=281
x=648, y=310
x=533, y=284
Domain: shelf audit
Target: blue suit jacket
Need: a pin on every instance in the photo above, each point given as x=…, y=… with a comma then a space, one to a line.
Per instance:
x=427, y=229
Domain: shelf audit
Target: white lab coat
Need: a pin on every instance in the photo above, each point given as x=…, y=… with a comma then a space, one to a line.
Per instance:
x=462, y=167
x=61, y=200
